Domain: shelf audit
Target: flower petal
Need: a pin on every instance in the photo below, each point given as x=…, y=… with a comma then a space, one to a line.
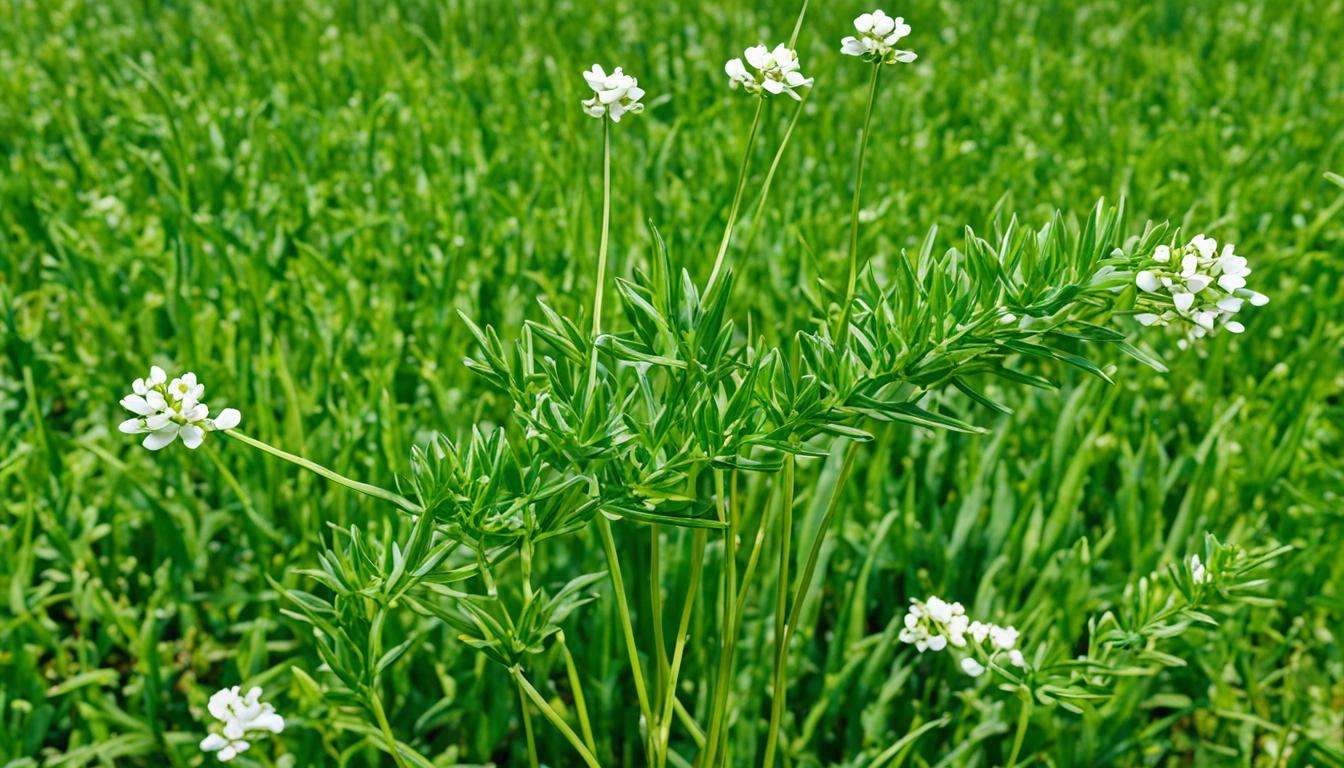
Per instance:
x=192, y=436
x=156, y=440
x=213, y=743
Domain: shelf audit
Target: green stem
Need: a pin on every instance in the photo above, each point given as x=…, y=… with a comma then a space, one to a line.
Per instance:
x=1023, y=718
x=779, y=693
x=601, y=279
x=842, y=330
x=679, y=648
x=728, y=645
x=623, y=611
x=656, y=608
x=810, y=567
x=783, y=144
x=757, y=216
x=606, y=227
x=377, y=706
x=312, y=466
x=737, y=199
x=525, y=688
x=580, y=701
x=804, y=583
x=527, y=727
x=798, y=25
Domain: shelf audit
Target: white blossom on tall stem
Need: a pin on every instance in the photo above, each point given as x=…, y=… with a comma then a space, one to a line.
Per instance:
x=772, y=71
x=616, y=94
x=877, y=38
x=242, y=719
x=1198, y=284
x=166, y=409
x=935, y=624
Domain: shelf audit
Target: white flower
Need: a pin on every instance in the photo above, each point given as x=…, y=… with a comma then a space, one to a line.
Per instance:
x=978, y=631
x=776, y=71
x=1205, y=288
x=939, y=611
x=1197, y=571
x=1004, y=638
x=616, y=94
x=242, y=718
x=166, y=410
x=878, y=35
x=936, y=624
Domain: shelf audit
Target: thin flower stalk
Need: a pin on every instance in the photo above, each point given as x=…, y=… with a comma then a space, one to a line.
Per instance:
x=580, y=700
x=336, y=477
x=528, y=735
x=728, y=644
x=780, y=692
x=627, y=628
x=600, y=280
x=842, y=328
x=526, y=688
x=679, y=646
x=737, y=200
x=780, y=674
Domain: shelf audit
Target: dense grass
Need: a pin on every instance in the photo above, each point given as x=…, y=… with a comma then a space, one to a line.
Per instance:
x=295, y=200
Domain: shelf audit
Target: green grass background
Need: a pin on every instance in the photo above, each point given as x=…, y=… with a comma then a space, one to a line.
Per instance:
x=295, y=199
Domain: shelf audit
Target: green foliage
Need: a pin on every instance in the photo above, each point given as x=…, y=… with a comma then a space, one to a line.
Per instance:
x=324, y=208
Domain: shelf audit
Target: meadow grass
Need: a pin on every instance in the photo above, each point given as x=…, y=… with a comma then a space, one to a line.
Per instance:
x=313, y=205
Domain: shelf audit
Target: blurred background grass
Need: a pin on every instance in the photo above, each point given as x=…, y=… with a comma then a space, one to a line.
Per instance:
x=294, y=199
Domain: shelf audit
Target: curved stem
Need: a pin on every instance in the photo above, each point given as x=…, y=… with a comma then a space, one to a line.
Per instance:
x=547, y=711
x=312, y=466
x=737, y=199
x=842, y=330
x=623, y=611
x=780, y=693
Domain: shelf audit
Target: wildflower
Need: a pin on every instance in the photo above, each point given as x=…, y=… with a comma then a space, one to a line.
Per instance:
x=878, y=35
x=616, y=94
x=776, y=71
x=1205, y=287
x=1197, y=571
x=242, y=718
x=1004, y=638
x=935, y=624
x=165, y=410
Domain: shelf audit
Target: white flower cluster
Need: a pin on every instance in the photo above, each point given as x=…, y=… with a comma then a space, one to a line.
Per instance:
x=616, y=94
x=776, y=71
x=166, y=409
x=1206, y=287
x=877, y=38
x=935, y=624
x=242, y=718
x=1198, y=572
